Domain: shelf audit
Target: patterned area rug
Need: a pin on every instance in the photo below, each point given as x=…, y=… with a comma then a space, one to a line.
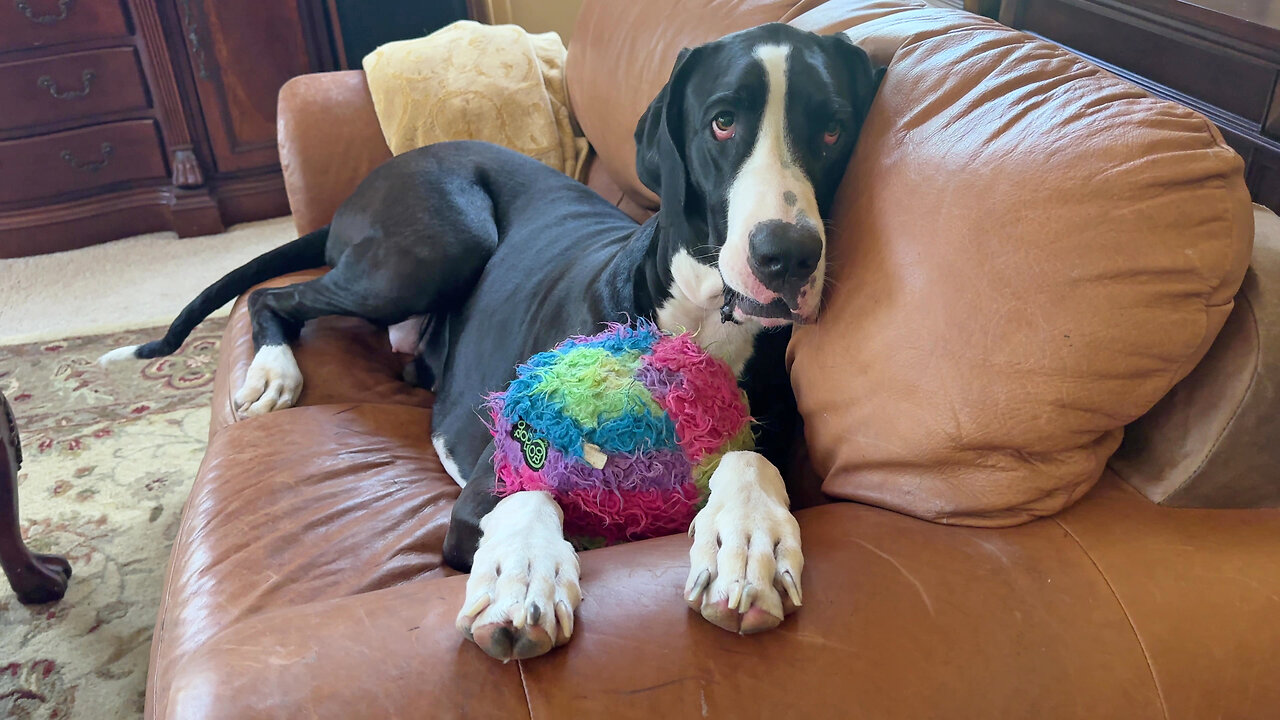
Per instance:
x=110, y=457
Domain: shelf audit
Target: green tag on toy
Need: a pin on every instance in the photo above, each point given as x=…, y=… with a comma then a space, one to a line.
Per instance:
x=534, y=449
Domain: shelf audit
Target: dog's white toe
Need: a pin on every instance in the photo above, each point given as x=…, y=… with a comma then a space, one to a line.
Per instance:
x=273, y=382
x=523, y=590
x=118, y=355
x=745, y=561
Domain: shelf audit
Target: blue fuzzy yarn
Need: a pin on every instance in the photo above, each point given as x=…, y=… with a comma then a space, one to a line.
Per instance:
x=638, y=429
x=639, y=338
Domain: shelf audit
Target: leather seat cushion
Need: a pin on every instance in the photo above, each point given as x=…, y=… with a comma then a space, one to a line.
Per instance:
x=1076, y=616
x=343, y=360
x=301, y=506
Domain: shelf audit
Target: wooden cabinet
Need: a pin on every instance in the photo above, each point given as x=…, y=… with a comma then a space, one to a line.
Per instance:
x=1220, y=57
x=62, y=89
x=43, y=23
x=120, y=117
x=241, y=52
x=101, y=156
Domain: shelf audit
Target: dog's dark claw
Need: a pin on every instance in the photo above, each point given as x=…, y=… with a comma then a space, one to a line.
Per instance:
x=696, y=586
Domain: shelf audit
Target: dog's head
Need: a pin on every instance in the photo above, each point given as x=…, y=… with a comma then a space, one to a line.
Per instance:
x=745, y=146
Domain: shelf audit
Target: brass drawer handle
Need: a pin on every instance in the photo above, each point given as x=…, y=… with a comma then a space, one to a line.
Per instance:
x=64, y=7
x=89, y=167
x=47, y=83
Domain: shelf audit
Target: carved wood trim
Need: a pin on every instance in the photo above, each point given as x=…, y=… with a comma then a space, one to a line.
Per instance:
x=185, y=168
x=169, y=102
x=191, y=30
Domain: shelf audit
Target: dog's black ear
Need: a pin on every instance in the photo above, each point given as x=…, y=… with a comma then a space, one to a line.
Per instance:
x=660, y=136
x=865, y=75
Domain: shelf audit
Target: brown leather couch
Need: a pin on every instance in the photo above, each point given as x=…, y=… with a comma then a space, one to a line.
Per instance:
x=306, y=578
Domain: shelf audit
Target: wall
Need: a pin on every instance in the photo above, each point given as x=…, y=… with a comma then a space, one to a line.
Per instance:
x=537, y=15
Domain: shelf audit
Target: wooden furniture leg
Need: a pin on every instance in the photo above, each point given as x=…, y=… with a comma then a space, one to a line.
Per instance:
x=34, y=578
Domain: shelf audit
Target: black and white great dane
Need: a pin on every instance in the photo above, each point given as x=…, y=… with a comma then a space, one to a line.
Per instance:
x=490, y=256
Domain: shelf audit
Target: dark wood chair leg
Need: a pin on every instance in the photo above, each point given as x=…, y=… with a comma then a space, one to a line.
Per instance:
x=34, y=577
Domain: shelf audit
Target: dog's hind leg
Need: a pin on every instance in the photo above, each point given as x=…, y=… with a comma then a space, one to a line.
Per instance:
x=406, y=268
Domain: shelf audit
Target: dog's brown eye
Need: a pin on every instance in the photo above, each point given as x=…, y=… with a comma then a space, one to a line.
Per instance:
x=722, y=126
x=831, y=134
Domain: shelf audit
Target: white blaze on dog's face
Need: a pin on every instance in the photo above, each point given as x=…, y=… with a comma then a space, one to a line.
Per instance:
x=745, y=146
x=775, y=245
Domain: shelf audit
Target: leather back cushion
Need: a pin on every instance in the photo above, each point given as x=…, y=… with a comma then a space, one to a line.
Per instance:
x=620, y=57
x=1026, y=254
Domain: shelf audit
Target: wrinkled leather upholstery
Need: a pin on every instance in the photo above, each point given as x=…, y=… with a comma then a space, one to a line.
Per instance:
x=305, y=579
x=1078, y=253
x=329, y=141
x=295, y=508
x=1115, y=608
x=342, y=359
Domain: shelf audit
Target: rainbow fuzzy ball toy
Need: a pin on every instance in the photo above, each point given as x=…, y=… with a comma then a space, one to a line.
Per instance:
x=623, y=428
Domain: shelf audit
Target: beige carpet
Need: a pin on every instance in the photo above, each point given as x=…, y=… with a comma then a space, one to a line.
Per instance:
x=138, y=282
x=110, y=455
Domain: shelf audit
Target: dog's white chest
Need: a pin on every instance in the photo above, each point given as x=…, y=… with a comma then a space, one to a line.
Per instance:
x=697, y=293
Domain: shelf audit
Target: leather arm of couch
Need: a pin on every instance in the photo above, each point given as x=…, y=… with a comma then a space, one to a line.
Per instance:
x=1074, y=616
x=329, y=141
x=1212, y=441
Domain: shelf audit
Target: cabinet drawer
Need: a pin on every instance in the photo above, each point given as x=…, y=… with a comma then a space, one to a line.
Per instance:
x=40, y=23
x=82, y=159
x=69, y=87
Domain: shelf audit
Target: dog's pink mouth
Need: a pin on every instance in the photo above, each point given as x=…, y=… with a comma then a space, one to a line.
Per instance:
x=771, y=314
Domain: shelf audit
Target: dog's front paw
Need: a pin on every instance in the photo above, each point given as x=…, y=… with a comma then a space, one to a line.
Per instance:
x=523, y=589
x=273, y=382
x=745, y=562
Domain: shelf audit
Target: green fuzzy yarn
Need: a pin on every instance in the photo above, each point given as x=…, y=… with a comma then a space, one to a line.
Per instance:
x=592, y=383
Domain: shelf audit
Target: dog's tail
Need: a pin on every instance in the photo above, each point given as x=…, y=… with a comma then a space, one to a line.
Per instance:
x=301, y=254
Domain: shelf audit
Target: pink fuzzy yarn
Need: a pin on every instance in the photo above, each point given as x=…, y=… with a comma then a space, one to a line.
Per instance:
x=684, y=410
x=707, y=410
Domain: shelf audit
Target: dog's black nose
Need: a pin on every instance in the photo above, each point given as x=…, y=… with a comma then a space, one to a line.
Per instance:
x=784, y=255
